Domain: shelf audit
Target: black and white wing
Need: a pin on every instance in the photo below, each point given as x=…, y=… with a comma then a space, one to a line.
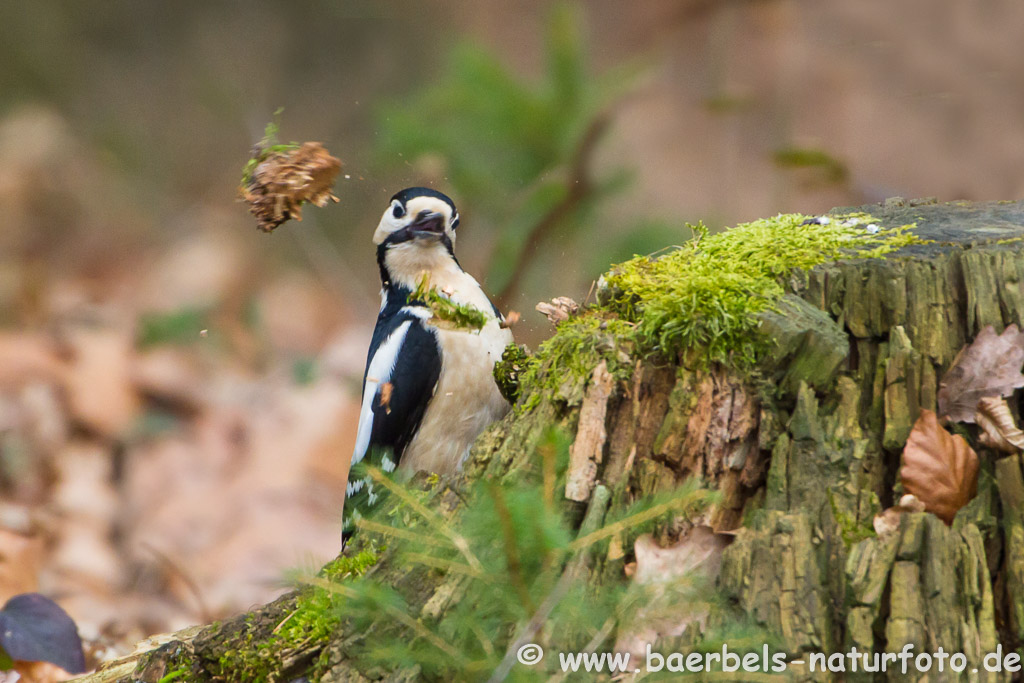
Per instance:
x=402, y=370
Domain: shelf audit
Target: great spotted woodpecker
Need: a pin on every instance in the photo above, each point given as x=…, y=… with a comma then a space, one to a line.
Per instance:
x=428, y=390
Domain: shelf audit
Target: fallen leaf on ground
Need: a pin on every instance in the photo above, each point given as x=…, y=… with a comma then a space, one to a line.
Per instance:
x=559, y=309
x=21, y=557
x=999, y=431
x=99, y=385
x=26, y=357
x=283, y=180
x=34, y=628
x=938, y=467
x=668, y=575
x=989, y=366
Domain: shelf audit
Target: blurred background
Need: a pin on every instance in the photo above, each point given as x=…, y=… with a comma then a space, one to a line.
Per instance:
x=178, y=391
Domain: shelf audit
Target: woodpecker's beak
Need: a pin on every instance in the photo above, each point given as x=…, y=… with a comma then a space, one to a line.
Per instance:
x=429, y=224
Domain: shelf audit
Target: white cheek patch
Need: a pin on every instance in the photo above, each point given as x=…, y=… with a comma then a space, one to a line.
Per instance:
x=378, y=373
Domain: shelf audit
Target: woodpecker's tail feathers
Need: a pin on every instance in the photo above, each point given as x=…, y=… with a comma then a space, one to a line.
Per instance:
x=361, y=494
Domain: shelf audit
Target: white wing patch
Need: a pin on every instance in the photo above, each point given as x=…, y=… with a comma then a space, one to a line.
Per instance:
x=377, y=373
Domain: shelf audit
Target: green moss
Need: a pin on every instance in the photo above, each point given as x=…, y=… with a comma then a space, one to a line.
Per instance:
x=345, y=566
x=705, y=295
x=462, y=316
x=316, y=614
x=850, y=529
x=701, y=299
x=179, y=672
x=266, y=148
x=506, y=371
x=578, y=346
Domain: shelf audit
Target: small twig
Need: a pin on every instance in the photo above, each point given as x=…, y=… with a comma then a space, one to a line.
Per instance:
x=285, y=620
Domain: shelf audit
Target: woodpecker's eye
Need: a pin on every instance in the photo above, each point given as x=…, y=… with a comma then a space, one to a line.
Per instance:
x=398, y=211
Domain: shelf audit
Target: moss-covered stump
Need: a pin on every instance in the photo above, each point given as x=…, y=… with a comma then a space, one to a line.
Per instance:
x=782, y=364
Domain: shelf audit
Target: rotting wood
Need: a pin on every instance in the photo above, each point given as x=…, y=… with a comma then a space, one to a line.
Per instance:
x=587, y=451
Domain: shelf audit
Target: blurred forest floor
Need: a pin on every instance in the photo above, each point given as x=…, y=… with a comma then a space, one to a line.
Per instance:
x=178, y=392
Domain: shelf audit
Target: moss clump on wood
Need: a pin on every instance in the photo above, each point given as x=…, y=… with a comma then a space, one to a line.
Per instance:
x=565, y=360
x=506, y=371
x=459, y=316
x=707, y=294
x=705, y=299
x=315, y=614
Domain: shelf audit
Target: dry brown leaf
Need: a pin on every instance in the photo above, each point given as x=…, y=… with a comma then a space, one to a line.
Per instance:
x=40, y=672
x=26, y=357
x=989, y=366
x=284, y=180
x=561, y=308
x=99, y=386
x=938, y=467
x=21, y=558
x=671, y=607
x=999, y=431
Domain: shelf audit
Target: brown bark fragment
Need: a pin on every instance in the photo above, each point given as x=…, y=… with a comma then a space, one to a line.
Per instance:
x=587, y=451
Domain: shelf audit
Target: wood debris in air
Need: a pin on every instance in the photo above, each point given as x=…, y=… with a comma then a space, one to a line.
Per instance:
x=286, y=176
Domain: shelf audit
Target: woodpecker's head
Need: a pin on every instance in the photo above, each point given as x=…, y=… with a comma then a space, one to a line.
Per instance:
x=420, y=215
x=416, y=234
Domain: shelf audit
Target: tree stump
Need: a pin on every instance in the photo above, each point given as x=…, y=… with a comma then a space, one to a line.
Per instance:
x=803, y=460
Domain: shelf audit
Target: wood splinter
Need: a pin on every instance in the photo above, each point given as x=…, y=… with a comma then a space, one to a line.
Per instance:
x=587, y=450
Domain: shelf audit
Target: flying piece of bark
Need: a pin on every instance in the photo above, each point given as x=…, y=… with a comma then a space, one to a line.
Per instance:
x=283, y=180
x=999, y=431
x=938, y=467
x=989, y=366
x=560, y=309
